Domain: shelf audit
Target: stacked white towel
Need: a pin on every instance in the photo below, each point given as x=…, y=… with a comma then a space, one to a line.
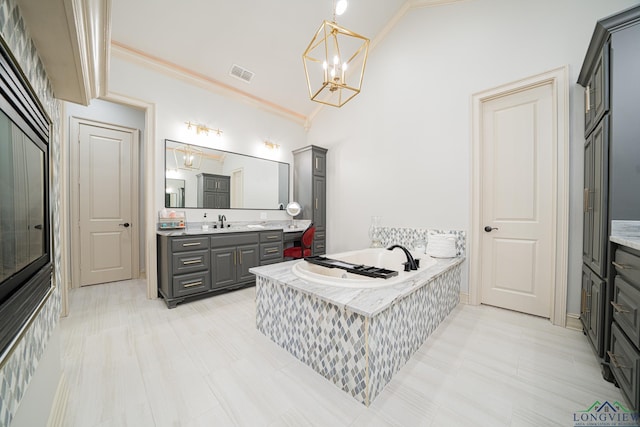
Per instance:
x=441, y=246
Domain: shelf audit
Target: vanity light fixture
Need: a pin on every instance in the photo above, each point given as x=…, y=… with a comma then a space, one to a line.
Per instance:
x=271, y=145
x=199, y=128
x=334, y=62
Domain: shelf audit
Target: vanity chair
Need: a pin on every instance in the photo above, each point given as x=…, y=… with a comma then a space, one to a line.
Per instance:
x=306, y=241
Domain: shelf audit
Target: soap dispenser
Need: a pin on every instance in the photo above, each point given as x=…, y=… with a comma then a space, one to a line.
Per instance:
x=205, y=223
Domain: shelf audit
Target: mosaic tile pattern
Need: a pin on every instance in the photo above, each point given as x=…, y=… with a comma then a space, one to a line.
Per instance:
x=396, y=333
x=359, y=354
x=18, y=369
x=330, y=340
x=406, y=236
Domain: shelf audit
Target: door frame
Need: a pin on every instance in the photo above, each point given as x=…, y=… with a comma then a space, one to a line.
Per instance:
x=558, y=78
x=74, y=180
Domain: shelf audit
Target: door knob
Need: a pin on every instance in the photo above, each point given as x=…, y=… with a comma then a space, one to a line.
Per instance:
x=126, y=224
x=489, y=229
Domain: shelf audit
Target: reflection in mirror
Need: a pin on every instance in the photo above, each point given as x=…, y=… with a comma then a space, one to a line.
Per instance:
x=200, y=177
x=174, y=193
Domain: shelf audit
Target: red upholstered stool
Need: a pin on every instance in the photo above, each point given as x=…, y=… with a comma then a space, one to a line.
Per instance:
x=304, y=249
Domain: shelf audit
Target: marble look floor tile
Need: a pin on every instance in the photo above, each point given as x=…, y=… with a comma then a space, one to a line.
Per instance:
x=130, y=361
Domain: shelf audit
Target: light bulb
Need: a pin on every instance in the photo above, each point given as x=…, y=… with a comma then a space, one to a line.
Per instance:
x=333, y=72
x=341, y=6
x=324, y=65
x=336, y=60
x=344, y=66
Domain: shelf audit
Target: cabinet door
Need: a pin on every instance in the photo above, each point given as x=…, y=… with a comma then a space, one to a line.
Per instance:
x=597, y=91
x=596, y=313
x=224, y=266
x=585, y=300
x=598, y=198
x=222, y=184
x=319, y=202
x=319, y=163
x=248, y=257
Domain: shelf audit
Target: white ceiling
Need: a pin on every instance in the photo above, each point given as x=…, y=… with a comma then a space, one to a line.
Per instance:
x=266, y=37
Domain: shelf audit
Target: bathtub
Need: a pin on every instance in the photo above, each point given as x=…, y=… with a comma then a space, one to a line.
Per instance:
x=375, y=257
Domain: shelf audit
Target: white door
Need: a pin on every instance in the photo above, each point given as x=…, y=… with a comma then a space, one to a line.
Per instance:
x=106, y=220
x=517, y=201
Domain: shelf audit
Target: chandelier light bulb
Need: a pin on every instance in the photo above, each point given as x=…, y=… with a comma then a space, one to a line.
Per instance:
x=341, y=6
x=336, y=60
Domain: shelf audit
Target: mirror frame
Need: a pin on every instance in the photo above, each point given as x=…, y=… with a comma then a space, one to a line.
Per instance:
x=167, y=140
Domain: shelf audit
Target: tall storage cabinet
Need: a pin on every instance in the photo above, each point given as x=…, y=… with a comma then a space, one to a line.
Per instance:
x=310, y=190
x=609, y=75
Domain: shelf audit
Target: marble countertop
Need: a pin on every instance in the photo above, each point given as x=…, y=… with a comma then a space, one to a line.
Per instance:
x=626, y=233
x=367, y=302
x=194, y=229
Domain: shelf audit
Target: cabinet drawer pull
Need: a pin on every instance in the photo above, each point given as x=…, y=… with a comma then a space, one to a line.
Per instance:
x=184, y=245
x=621, y=266
x=619, y=308
x=271, y=251
x=587, y=101
x=193, y=261
x=192, y=284
x=614, y=360
x=320, y=246
x=585, y=199
x=272, y=237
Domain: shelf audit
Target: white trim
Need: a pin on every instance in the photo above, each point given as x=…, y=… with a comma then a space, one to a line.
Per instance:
x=64, y=249
x=149, y=207
x=558, y=78
x=464, y=297
x=573, y=322
x=59, y=405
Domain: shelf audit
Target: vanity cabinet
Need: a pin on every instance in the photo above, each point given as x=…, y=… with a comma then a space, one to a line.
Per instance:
x=611, y=161
x=191, y=267
x=310, y=190
x=232, y=255
x=214, y=191
x=624, y=352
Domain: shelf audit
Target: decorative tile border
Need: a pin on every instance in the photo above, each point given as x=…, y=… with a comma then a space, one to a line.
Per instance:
x=357, y=353
x=406, y=236
x=18, y=369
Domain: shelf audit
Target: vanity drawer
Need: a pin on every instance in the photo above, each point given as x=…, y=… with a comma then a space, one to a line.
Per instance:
x=625, y=365
x=271, y=251
x=192, y=283
x=180, y=244
x=233, y=239
x=626, y=304
x=627, y=264
x=271, y=236
x=187, y=262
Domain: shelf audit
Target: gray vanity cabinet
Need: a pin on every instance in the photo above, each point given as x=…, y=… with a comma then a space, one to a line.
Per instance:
x=624, y=352
x=196, y=266
x=310, y=190
x=232, y=255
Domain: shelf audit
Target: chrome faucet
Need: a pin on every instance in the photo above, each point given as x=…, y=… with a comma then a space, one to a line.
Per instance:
x=411, y=264
x=222, y=219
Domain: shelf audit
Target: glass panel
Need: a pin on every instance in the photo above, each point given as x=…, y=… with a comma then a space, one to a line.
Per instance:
x=22, y=222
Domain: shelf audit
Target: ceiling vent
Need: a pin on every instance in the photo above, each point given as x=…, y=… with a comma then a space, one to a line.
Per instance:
x=241, y=73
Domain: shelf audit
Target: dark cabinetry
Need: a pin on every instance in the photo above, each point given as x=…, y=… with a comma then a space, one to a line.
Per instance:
x=191, y=267
x=624, y=353
x=609, y=76
x=310, y=190
x=214, y=191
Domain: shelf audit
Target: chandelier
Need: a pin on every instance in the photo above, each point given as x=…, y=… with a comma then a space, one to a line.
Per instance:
x=334, y=62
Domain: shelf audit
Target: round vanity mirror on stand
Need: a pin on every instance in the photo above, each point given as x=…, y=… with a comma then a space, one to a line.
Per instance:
x=293, y=209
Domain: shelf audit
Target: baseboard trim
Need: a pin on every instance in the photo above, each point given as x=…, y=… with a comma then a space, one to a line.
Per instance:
x=464, y=297
x=59, y=407
x=573, y=322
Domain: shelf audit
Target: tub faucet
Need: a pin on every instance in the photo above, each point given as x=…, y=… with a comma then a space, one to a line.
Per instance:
x=411, y=264
x=222, y=219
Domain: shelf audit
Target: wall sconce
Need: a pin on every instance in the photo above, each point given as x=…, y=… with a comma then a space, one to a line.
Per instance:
x=202, y=128
x=271, y=145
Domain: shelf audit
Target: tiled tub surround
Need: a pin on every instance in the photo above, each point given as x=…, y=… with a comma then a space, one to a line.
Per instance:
x=356, y=338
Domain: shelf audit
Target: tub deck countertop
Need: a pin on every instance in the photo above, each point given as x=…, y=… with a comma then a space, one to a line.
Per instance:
x=365, y=301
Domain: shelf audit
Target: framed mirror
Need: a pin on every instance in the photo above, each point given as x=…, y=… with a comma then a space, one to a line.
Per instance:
x=201, y=177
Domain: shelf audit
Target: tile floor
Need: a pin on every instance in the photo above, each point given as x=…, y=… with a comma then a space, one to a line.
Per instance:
x=130, y=361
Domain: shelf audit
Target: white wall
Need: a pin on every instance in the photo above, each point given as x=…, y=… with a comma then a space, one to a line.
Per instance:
x=244, y=126
x=401, y=149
